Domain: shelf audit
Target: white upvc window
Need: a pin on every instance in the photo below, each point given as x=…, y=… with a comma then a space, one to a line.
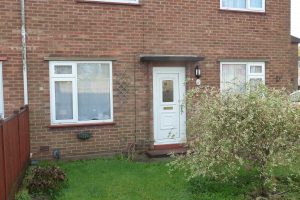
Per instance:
x=81, y=92
x=243, y=5
x=298, y=73
x=1, y=93
x=236, y=75
x=115, y=1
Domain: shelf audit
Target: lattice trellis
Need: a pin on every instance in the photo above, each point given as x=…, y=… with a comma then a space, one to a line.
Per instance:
x=123, y=87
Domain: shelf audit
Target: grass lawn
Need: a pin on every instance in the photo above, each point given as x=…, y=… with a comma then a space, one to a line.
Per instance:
x=123, y=180
x=117, y=179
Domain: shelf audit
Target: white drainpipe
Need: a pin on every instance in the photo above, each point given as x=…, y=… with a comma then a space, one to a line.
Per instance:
x=24, y=52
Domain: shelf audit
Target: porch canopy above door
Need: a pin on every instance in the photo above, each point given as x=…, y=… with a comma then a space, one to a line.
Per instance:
x=170, y=58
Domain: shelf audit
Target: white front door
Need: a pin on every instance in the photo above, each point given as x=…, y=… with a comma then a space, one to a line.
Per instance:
x=168, y=105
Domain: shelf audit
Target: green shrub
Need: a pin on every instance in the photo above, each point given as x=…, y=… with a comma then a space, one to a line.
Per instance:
x=240, y=186
x=46, y=180
x=258, y=131
x=23, y=195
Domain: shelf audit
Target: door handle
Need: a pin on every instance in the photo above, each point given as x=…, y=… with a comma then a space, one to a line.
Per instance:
x=181, y=108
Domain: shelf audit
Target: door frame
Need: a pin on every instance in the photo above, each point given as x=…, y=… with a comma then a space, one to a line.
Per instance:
x=182, y=114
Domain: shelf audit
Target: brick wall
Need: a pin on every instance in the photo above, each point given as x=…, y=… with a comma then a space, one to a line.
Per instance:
x=10, y=48
x=71, y=29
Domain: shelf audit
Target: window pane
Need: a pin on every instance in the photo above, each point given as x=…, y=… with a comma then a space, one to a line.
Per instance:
x=256, y=3
x=234, y=78
x=168, y=91
x=63, y=69
x=255, y=82
x=295, y=96
x=93, y=91
x=256, y=69
x=234, y=3
x=63, y=100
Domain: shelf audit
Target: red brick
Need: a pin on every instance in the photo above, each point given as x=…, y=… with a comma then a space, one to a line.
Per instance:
x=70, y=29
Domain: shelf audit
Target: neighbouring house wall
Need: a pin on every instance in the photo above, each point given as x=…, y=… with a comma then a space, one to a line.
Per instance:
x=71, y=29
x=10, y=49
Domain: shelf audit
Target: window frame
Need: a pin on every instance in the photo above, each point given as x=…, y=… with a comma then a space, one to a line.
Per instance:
x=249, y=75
x=114, y=1
x=2, y=113
x=298, y=73
x=247, y=9
x=73, y=78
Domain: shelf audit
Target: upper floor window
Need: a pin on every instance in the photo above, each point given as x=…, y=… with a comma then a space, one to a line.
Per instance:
x=115, y=1
x=243, y=5
x=236, y=75
x=81, y=92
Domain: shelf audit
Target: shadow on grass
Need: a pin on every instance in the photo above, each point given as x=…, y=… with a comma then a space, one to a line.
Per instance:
x=233, y=189
x=245, y=186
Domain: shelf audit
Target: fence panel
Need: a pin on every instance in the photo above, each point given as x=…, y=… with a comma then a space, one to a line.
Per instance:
x=14, y=151
x=2, y=172
x=11, y=152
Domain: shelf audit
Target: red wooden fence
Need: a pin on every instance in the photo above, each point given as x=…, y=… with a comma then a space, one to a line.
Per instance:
x=14, y=151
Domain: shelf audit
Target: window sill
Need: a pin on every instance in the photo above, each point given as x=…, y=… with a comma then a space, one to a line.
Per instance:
x=243, y=10
x=81, y=125
x=105, y=2
x=3, y=58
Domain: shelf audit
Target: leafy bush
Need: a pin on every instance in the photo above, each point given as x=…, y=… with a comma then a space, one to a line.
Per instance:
x=258, y=131
x=22, y=195
x=46, y=180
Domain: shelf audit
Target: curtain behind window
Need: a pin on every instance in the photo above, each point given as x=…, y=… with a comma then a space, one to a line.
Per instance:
x=234, y=3
x=93, y=91
x=233, y=78
x=63, y=100
x=256, y=3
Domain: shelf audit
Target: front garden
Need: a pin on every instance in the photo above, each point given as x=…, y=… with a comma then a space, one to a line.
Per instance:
x=120, y=179
x=242, y=146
